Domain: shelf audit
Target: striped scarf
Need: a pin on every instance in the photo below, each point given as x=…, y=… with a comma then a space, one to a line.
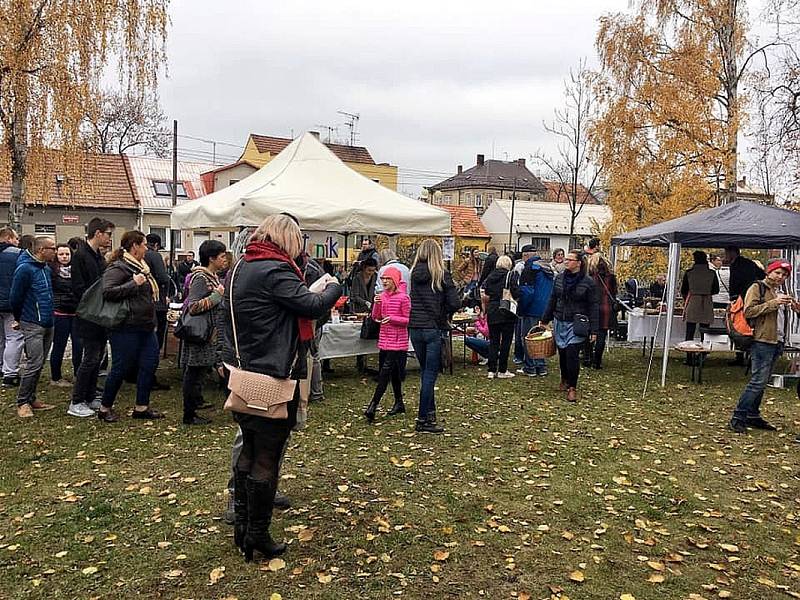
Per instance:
x=141, y=267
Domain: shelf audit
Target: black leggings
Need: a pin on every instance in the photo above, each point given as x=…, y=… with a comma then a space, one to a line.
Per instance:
x=500, y=337
x=570, y=363
x=393, y=368
x=593, y=352
x=192, y=389
x=261, y=452
x=691, y=328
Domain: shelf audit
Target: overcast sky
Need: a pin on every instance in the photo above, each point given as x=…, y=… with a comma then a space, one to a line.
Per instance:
x=435, y=82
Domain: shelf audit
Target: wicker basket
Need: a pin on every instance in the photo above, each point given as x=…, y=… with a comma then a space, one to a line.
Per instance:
x=538, y=345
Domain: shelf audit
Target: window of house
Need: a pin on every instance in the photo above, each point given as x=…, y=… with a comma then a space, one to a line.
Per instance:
x=489, y=198
x=232, y=181
x=467, y=199
x=542, y=244
x=478, y=200
x=231, y=238
x=164, y=189
x=44, y=229
x=162, y=233
x=446, y=200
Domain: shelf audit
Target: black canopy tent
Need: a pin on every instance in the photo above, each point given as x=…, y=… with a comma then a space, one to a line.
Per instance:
x=742, y=224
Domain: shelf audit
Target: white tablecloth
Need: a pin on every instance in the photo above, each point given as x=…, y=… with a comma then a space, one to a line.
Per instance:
x=344, y=339
x=643, y=327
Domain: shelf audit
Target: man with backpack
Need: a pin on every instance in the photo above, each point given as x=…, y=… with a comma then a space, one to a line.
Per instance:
x=767, y=310
x=743, y=272
x=535, y=281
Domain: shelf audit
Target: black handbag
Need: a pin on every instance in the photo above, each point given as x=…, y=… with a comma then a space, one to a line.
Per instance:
x=94, y=308
x=370, y=329
x=580, y=325
x=194, y=329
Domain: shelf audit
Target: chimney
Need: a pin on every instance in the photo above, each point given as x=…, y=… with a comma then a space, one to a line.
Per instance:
x=314, y=133
x=460, y=169
x=521, y=162
x=480, y=160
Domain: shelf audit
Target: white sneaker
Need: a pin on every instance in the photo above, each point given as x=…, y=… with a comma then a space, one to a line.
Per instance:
x=95, y=404
x=506, y=375
x=521, y=371
x=80, y=410
x=483, y=361
x=490, y=375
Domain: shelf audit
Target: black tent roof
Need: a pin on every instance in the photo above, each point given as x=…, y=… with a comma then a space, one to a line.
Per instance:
x=742, y=224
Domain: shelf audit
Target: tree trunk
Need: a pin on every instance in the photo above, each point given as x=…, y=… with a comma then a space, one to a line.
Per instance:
x=729, y=53
x=18, y=149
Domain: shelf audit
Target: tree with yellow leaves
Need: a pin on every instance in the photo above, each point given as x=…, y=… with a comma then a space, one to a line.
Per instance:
x=53, y=54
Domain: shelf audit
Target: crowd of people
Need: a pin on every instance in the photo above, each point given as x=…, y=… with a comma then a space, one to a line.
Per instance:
x=50, y=293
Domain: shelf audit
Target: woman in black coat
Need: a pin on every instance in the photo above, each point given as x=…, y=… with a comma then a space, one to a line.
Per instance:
x=134, y=340
x=273, y=313
x=572, y=305
x=64, y=304
x=501, y=322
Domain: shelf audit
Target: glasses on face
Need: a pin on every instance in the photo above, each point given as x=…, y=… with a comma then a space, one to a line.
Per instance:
x=571, y=260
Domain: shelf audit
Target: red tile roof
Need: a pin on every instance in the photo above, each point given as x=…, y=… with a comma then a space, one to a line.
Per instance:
x=351, y=154
x=464, y=222
x=556, y=192
x=100, y=181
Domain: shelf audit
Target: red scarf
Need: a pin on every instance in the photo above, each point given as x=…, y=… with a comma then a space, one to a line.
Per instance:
x=269, y=251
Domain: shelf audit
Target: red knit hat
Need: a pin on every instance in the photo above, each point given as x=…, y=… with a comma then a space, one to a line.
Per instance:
x=779, y=264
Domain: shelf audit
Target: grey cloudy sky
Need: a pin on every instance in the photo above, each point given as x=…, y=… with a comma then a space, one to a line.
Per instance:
x=435, y=82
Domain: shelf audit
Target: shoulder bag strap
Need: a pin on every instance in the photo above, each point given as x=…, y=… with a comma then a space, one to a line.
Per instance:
x=233, y=319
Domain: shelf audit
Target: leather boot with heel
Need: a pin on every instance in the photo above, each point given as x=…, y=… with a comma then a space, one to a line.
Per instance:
x=370, y=412
x=397, y=408
x=260, y=495
x=239, y=508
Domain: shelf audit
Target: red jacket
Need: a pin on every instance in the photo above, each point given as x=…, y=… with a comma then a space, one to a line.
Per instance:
x=397, y=306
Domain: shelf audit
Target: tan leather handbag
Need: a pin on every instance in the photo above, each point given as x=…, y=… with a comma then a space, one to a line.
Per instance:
x=255, y=393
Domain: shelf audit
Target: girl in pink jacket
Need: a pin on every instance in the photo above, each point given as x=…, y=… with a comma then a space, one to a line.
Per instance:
x=391, y=309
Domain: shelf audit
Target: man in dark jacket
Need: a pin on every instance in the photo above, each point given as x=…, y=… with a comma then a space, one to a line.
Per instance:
x=488, y=265
x=743, y=273
x=184, y=268
x=535, y=283
x=159, y=272
x=11, y=340
x=88, y=265
x=31, y=300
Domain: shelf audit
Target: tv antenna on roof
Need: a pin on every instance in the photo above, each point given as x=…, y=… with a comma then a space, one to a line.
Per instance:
x=352, y=125
x=331, y=131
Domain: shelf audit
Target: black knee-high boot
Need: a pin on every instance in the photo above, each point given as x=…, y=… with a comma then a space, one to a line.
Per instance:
x=239, y=508
x=260, y=495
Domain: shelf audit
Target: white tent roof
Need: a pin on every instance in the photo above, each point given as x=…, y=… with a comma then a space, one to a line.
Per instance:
x=310, y=182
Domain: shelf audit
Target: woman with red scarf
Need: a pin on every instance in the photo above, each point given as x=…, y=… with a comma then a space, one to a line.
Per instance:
x=274, y=313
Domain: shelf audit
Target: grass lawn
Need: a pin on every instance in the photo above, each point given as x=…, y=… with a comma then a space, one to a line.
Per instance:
x=525, y=496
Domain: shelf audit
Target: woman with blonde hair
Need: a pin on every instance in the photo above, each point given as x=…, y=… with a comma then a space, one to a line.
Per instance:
x=433, y=301
x=273, y=312
x=501, y=322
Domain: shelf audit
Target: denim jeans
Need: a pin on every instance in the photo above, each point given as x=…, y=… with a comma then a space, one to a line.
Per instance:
x=38, y=340
x=63, y=330
x=477, y=345
x=85, y=387
x=428, y=348
x=11, y=343
x=529, y=365
x=131, y=346
x=763, y=358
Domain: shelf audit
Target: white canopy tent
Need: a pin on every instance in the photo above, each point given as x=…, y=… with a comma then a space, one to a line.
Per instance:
x=310, y=182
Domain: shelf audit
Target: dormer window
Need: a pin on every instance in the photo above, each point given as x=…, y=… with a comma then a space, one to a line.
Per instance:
x=164, y=189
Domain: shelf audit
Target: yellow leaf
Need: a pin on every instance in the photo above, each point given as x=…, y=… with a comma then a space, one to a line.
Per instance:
x=767, y=582
x=441, y=555
x=306, y=535
x=323, y=577
x=61, y=554
x=729, y=547
x=655, y=565
x=173, y=573
x=435, y=568
x=656, y=578
x=276, y=564
x=724, y=594
x=577, y=576
x=342, y=488
x=627, y=597
x=216, y=574
x=275, y=596
x=89, y=570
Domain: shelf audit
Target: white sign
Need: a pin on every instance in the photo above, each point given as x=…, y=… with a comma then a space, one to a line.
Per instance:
x=448, y=248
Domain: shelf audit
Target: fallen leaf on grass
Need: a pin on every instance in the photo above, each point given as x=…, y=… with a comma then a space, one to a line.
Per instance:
x=216, y=574
x=323, y=577
x=577, y=576
x=89, y=570
x=441, y=555
x=656, y=578
x=655, y=565
x=276, y=564
x=729, y=547
x=173, y=573
x=627, y=597
x=306, y=535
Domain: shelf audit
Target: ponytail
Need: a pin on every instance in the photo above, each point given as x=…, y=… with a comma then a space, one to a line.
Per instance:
x=126, y=243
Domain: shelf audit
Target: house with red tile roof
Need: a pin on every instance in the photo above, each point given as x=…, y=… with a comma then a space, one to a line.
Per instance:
x=98, y=185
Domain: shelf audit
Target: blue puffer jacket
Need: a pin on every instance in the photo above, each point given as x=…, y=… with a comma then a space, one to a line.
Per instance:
x=8, y=264
x=535, y=287
x=32, y=292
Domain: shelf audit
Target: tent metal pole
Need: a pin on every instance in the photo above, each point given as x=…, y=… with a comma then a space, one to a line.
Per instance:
x=346, y=235
x=672, y=284
x=613, y=258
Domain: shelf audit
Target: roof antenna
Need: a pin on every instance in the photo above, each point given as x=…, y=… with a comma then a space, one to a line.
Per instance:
x=352, y=125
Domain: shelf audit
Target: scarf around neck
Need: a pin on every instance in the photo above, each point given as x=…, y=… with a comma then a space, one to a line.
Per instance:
x=141, y=267
x=571, y=280
x=269, y=251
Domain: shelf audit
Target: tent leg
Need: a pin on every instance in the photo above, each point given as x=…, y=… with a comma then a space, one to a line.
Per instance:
x=346, y=235
x=613, y=258
x=672, y=284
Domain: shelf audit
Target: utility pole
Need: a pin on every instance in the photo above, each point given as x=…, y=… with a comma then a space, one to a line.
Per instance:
x=352, y=124
x=511, y=222
x=172, y=236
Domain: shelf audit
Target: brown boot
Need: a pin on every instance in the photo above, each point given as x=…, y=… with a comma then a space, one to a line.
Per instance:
x=562, y=387
x=572, y=395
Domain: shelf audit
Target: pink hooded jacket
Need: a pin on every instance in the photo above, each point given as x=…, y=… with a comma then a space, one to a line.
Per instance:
x=397, y=306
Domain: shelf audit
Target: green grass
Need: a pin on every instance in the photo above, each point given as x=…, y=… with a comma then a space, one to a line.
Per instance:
x=521, y=491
